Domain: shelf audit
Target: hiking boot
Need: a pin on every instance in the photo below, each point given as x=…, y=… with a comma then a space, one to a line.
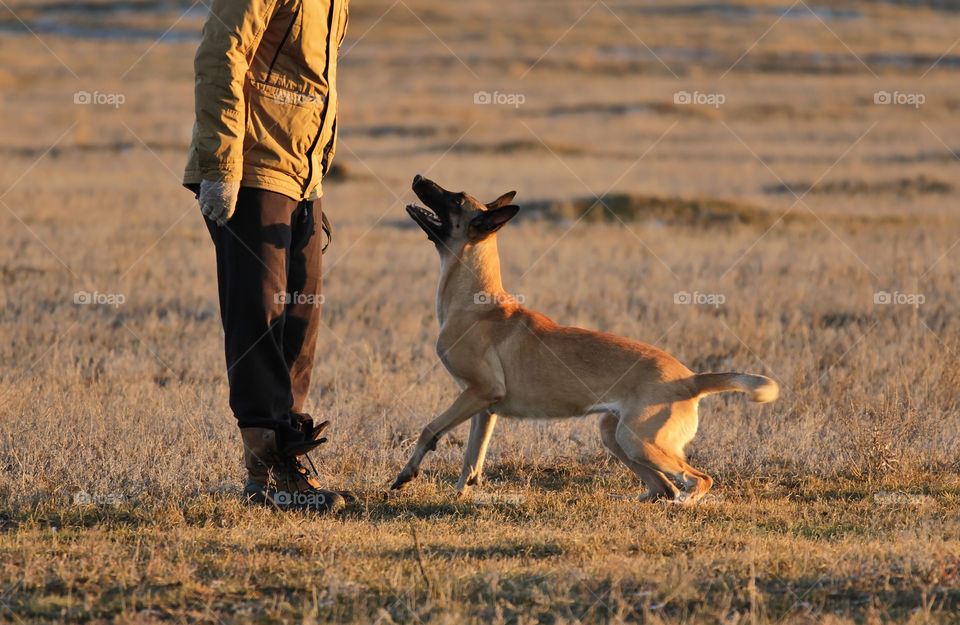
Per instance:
x=305, y=437
x=312, y=436
x=304, y=422
x=279, y=478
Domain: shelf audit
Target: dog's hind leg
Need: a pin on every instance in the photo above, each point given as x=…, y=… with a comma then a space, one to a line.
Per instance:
x=656, y=440
x=658, y=485
x=481, y=428
x=697, y=483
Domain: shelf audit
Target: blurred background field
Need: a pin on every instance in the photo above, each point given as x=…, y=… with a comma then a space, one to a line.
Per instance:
x=799, y=160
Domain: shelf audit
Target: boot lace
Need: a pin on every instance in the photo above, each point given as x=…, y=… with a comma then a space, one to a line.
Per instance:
x=295, y=472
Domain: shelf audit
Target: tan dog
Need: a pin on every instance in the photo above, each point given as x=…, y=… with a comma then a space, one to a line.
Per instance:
x=514, y=362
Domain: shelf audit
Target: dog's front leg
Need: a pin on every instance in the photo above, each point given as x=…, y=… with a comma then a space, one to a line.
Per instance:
x=481, y=428
x=470, y=402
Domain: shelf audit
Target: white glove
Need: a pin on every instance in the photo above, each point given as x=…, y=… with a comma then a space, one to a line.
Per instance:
x=218, y=200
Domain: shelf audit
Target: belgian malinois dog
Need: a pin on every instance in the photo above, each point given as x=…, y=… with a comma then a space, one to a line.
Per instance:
x=514, y=362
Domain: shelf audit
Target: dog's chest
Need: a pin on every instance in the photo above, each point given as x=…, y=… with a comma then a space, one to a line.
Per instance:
x=443, y=354
x=456, y=378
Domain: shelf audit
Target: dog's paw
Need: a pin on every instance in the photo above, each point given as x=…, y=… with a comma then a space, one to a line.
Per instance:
x=402, y=479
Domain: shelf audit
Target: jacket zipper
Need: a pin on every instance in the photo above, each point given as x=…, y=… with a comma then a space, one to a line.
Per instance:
x=326, y=106
x=313, y=146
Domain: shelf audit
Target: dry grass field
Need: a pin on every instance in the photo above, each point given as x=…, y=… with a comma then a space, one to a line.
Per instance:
x=795, y=161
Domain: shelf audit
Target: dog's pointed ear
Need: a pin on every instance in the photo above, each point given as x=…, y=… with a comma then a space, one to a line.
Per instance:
x=503, y=200
x=489, y=221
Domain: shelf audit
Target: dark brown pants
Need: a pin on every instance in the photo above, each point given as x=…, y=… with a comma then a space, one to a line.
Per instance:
x=269, y=276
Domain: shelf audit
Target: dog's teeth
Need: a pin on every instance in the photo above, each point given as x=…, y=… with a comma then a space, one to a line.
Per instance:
x=426, y=214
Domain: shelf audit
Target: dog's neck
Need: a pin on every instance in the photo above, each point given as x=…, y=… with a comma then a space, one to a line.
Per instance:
x=470, y=280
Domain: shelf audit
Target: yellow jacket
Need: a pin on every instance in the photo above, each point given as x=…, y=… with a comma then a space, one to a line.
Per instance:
x=266, y=97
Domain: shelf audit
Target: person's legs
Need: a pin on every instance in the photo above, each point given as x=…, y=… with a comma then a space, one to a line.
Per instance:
x=252, y=260
x=264, y=317
x=304, y=282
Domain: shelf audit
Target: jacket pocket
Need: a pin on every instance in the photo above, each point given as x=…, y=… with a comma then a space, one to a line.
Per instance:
x=280, y=127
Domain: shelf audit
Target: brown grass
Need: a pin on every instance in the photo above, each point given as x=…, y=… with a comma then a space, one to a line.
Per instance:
x=837, y=503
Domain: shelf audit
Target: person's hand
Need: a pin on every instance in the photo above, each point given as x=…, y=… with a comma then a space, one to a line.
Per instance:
x=218, y=200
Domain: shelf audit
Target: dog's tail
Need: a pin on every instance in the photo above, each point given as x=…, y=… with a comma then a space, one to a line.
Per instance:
x=761, y=389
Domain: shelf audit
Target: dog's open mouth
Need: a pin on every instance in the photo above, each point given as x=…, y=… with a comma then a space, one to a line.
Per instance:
x=424, y=216
x=429, y=221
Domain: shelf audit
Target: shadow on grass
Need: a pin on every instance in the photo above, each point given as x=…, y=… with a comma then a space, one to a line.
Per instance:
x=482, y=554
x=55, y=514
x=505, y=482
